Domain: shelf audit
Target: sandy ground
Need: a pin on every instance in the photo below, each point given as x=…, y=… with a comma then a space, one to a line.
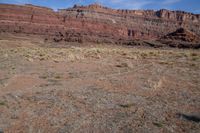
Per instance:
x=97, y=88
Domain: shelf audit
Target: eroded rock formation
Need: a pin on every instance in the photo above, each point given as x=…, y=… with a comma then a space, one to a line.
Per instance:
x=183, y=35
x=182, y=38
x=95, y=23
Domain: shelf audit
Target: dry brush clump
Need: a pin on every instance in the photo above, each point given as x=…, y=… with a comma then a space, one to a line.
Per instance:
x=81, y=53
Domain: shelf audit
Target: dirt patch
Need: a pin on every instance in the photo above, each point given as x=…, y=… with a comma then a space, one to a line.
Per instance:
x=22, y=83
x=98, y=89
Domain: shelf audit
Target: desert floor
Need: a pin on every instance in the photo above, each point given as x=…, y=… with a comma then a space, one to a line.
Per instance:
x=47, y=87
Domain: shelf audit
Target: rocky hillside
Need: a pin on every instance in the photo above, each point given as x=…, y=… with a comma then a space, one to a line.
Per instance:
x=182, y=35
x=181, y=38
x=95, y=23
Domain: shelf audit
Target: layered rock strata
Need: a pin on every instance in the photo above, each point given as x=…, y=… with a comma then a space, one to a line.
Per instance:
x=95, y=23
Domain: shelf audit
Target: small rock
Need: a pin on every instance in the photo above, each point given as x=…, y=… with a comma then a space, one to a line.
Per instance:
x=125, y=64
x=30, y=59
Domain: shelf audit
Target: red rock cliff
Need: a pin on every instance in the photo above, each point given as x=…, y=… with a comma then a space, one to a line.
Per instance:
x=94, y=22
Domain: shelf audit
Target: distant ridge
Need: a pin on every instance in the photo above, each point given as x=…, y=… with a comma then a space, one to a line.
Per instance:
x=95, y=23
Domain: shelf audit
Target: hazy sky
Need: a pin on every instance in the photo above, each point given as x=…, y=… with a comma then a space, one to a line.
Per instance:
x=186, y=5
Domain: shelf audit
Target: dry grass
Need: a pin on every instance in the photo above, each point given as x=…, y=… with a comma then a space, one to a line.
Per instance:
x=101, y=84
x=73, y=54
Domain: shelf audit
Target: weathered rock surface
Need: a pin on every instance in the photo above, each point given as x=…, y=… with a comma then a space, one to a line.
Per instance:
x=182, y=38
x=182, y=35
x=95, y=23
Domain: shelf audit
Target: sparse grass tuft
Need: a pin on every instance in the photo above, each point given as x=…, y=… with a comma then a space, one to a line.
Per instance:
x=126, y=105
x=122, y=65
x=193, y=54
x=43, y=77
x=194, y=58
x=165, y=62
x=57, y=77
x=151, y=53
x=192, y=65
x=158, y=124
x=144, y=55
x=2, y=103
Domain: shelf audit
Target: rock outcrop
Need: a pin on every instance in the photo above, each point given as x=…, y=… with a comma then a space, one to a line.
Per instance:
x=183, y=35
x=181, y=38
x=94, y=23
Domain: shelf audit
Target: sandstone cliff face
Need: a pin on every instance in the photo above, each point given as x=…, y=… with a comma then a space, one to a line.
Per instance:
x=94, y=22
